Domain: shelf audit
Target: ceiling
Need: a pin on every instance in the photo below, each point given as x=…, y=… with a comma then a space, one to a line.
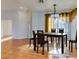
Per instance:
x=34, y=5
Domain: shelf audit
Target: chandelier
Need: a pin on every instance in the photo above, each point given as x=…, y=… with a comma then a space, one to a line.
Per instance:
x=54, y=11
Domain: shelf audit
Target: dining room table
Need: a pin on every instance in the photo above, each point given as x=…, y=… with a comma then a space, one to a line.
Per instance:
x=62, y=35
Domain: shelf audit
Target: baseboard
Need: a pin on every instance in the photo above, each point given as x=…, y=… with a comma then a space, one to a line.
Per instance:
x=21, y=38
x=6, y=38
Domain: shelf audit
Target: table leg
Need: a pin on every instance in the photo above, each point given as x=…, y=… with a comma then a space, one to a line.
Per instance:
x=62, y=45
x=66, y=40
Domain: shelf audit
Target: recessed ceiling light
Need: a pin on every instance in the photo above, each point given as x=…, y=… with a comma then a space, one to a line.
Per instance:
x=23, y=8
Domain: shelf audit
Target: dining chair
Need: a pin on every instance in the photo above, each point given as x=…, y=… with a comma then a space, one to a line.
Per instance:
x=40, y=31
x=31, y=39
x=40, y=41
x=71, y=43
x=61, y=30
x=53, y=30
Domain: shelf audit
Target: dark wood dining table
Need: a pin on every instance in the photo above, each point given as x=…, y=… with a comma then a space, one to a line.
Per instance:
x=62, y=35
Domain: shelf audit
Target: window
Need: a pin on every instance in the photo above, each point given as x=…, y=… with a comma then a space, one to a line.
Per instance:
x=59, y=22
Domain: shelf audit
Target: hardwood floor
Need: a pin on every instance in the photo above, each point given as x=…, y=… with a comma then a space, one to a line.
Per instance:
x=20, y=49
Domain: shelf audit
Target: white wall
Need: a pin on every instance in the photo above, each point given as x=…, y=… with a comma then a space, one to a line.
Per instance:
x=6, y=28
x=22, y=25
x=73, y=28
x=38, y=21
x=6, y=22
x=17, y=23
x=16, y=20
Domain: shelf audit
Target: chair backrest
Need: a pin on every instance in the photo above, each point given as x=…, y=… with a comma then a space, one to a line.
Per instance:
x=53, y=30
x=33, y=34
x=40, y=37
x=61, y=30
x=39, y=31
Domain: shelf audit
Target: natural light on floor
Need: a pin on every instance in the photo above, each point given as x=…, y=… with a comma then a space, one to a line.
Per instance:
x=5, y=39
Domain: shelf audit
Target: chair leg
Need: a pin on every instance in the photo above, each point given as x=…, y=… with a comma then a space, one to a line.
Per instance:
x=59, y=41
x=47, y=38
x=37, y=48
x=71, y=47
x=41, y=45
x=30, y=42
x=47, y=46
x=51, y=39
x=76, y=45
x=43, y=50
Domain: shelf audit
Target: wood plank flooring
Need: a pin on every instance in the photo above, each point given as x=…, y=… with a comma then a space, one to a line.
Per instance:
x=20, y=49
